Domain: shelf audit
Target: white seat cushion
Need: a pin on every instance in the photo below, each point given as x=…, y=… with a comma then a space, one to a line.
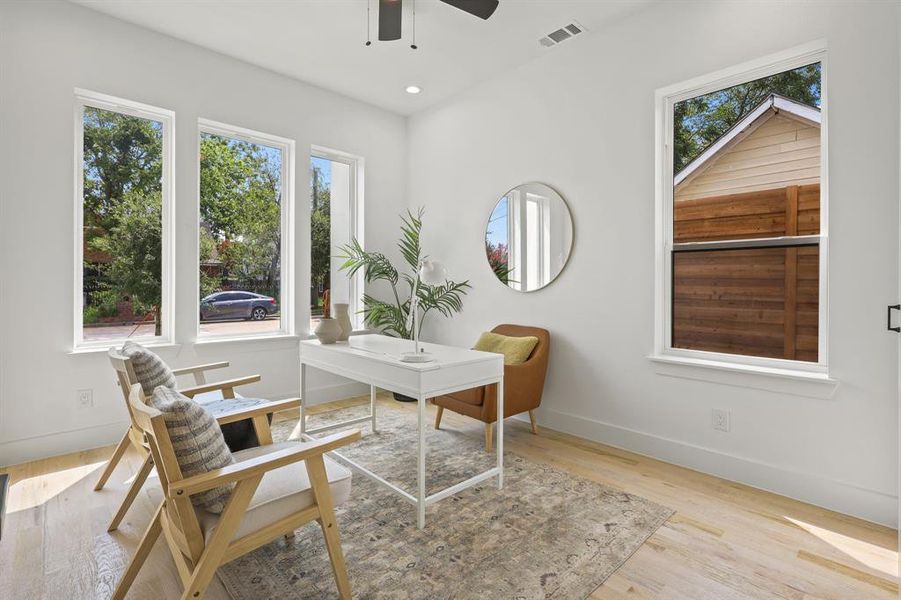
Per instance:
x=281, y=492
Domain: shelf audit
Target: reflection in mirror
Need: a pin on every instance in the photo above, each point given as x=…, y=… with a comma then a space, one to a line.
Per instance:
x=529, y=237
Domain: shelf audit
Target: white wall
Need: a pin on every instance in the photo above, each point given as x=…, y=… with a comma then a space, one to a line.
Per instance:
x=46, y=50
x=582, y=120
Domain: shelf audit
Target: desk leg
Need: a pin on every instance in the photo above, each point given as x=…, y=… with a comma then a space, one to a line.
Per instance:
x=303, y=401
x=500, y=434
x=420, y=478
x=372, y=407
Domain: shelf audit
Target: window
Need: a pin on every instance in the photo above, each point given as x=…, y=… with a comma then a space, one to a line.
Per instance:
x=335, y=218
x=123, y=178
x=246, y=183
x=742, y=213
x=521, y=222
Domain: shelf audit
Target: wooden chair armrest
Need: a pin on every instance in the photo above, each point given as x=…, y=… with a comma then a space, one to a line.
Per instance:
x=219, y=385
x=261, y=464
x=262, y=410
x=199, y=368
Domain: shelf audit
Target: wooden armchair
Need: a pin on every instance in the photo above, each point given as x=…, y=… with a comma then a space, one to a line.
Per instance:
x=278, y=488
x=259, y=413
x=523, y=386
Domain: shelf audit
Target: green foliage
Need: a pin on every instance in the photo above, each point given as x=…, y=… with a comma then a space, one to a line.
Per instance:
x=240, y=212
x=320, y=225
x=123, y=211
x=391, y=317
x=122, y=154
x=135, y=244
x=699, y=121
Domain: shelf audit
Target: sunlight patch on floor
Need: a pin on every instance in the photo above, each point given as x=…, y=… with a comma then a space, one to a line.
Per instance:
x=35, y=491
x=870, y=555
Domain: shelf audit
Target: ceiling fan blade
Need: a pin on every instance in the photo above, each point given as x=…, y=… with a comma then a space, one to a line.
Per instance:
x=390, y=15
x=480, y=8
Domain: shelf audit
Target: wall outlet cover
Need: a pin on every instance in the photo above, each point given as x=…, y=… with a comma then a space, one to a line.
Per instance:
x=722, y=420
x=85, y=398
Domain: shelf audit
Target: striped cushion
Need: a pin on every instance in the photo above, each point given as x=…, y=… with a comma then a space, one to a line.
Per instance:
x=198, y=443
x=150, y=370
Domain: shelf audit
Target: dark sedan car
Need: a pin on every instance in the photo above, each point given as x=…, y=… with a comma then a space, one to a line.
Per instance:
x=237, y=305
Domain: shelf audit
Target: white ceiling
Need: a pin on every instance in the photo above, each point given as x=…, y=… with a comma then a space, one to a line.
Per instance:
x=322, y=41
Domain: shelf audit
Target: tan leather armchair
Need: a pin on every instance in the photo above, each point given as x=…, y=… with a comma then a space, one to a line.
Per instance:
x=523, y=386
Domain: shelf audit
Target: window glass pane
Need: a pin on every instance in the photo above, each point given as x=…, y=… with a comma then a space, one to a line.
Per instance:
x=497, y=236
x=122, y=227
x=332, y=202
x=241, y=192
x=746, y=159
x=759, y=302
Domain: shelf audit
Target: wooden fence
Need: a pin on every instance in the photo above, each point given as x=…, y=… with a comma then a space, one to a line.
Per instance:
x=758, y=301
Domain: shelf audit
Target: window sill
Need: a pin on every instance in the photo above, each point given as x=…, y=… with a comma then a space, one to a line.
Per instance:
x=245, y=338
x=784, y=381
x=118, y=344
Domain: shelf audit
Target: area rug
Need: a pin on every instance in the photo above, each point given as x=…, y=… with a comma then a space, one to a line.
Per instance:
x=547, y=534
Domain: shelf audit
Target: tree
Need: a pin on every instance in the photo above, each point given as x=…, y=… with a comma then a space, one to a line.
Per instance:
x=240, y=211
x=123, y=205
x=699, y=121
x=135, y=243
x=498, y=260
x=320, y=225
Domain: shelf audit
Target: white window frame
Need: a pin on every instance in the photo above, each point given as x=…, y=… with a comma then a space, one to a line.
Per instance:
x=87, y=98
x=357, y=173
x=665, y=99
x=286, y=277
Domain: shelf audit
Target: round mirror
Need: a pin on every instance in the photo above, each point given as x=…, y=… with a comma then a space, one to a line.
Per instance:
x=529, y=237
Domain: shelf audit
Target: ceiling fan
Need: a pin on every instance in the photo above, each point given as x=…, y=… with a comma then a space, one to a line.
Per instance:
x=391, y=12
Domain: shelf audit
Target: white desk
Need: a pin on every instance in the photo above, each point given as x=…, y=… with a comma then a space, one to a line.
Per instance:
x=375, y=360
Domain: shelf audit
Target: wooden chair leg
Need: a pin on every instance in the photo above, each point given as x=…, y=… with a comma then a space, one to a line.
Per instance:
x=534, y=422
x=323, y=495
x=438, y=416
x=137, y=561
x=488, y=434
x=136, y=486
x=113, y=461
x=214, y=551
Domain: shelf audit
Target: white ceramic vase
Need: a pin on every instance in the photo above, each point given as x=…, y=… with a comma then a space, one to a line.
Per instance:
x=327, y=331
x=343, y=321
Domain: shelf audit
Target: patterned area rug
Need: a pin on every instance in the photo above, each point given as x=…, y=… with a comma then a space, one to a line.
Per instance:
x=547, y=534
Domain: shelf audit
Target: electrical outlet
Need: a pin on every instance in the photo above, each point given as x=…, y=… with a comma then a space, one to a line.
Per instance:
x=85, y=398
x=722, y=420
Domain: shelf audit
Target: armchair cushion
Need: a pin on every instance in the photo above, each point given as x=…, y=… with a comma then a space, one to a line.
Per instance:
x=281, y=493
x=150, y=370
x=239, y=435
x=197, y=441
x=516, y=350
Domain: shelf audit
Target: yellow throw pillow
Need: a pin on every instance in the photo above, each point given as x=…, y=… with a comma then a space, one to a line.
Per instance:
x=516, y=350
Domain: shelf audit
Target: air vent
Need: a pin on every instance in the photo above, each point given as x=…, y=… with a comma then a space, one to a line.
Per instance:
x=561, y=35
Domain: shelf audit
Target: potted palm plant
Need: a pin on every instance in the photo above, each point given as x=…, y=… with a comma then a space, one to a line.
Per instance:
x=390, y=316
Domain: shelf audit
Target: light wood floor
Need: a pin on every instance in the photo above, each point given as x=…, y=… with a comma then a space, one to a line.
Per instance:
x=725, y=541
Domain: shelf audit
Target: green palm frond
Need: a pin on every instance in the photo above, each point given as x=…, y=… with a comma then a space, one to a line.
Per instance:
x=410, y=229
x=446, y=299
x=375, y=265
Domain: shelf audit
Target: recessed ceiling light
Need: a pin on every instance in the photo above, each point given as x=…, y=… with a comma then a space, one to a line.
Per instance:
x=413, y=89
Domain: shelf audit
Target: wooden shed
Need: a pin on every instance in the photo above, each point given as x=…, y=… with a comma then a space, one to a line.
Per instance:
x=761, y=179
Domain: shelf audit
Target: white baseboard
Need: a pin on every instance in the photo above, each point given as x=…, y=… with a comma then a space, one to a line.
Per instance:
x=871, y=505
x=77, y=440
x=64, y=442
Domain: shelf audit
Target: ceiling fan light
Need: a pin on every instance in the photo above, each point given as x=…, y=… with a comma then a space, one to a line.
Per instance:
x=413, y=89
